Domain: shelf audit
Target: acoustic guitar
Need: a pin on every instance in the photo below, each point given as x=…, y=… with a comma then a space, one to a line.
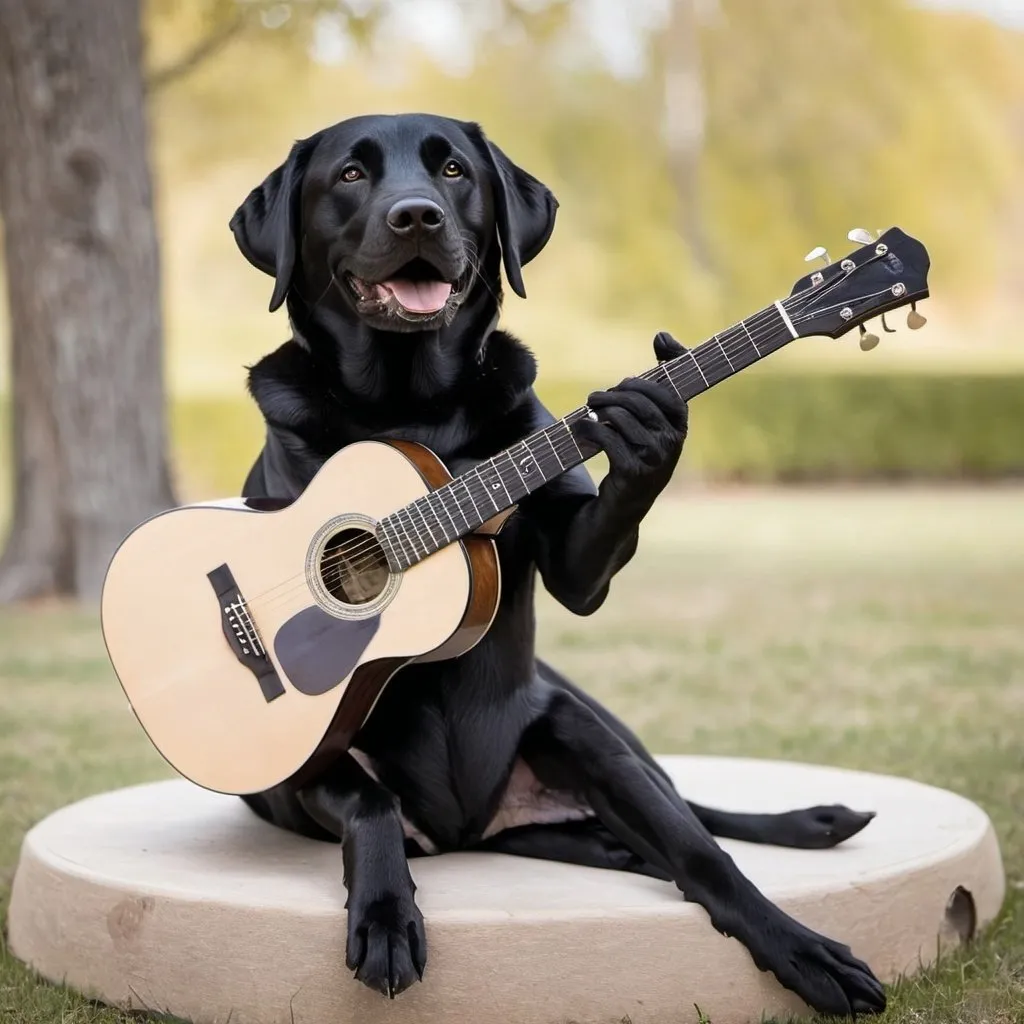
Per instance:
x=253, y=638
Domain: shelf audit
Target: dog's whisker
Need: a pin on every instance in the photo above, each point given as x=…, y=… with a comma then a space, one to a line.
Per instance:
x=470, y=246
x=471, y=252
x=468, y=241
x=316, y=305
x=480, y=276
x=323, y=294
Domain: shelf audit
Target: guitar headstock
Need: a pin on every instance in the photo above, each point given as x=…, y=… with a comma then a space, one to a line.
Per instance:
x=882, y=275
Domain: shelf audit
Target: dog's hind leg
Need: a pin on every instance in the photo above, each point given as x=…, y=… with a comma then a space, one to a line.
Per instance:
x=387, y=946
x=586, y=843
x=570, y=749
x=809, y=828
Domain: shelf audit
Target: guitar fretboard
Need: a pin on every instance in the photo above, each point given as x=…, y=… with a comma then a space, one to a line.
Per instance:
x=478, y=495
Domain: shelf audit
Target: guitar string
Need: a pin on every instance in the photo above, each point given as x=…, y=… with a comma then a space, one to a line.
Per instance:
x=373, y=550
x=567, y=445
x=373, y=544
x=370, y=553
x=684, y=376
x=563, y=446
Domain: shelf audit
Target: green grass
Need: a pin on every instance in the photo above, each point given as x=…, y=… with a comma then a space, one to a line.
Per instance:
x=876, y=629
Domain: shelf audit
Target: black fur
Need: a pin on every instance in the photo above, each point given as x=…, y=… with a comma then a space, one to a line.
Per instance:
x=444, y=739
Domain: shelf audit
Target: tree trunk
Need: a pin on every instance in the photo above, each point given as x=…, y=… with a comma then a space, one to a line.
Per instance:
x=684, y=118
x=83, y=280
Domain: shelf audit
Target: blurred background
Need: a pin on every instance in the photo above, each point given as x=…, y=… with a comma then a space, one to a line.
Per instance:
x=699, y=149
x=837, y=571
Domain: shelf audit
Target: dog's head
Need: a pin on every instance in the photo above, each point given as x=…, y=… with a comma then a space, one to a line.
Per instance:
x=393, y=221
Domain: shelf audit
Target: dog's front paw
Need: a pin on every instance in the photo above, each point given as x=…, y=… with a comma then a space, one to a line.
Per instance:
x=824, y=973
x=387, y=944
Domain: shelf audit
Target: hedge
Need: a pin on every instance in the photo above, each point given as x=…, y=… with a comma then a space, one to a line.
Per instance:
x=851, y=427
x=763, y=427
x=758, y=427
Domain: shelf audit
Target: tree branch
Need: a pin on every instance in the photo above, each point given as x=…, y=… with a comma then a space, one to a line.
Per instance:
x=205, y=48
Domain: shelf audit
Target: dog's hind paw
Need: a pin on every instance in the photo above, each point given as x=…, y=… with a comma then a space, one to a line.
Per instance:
x=387, y=944
x=817, y=828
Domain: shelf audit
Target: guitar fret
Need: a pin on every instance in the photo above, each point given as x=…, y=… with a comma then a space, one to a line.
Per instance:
x=693, y=355
x=737, y=348
x=434, y=514
x=712, y=363
x=725, y=353
x=401, y=526
x=515, y=466
x=539, y=461
x=468, y=479
x=412, y=522
x=405, y=523
x=416, y=505
x=451, y=498
x=449, y=493
x=554, y=450
x=398, y=537
x=465, y=484
x=512, y=457
x=743, y=324
x=520, y=464
x=572, y=438
x=501, y=480
x=686, y=383
x=668, y=376
x=386, y=544
x=439, y=497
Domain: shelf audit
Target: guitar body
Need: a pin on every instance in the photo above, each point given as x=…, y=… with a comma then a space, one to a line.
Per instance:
x=252, y=644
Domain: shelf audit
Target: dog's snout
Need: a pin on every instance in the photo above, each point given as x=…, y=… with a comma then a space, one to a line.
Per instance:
x=416, y=216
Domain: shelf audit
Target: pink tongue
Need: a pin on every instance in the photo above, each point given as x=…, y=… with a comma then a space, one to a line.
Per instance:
x=420, y=296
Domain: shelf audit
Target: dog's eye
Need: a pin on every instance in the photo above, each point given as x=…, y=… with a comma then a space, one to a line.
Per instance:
x=452, y=169
x=351, y=173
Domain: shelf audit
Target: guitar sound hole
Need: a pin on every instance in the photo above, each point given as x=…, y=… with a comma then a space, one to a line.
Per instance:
x=353, y=567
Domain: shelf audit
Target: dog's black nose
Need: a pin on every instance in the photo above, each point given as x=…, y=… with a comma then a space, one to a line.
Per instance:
x=409, y=218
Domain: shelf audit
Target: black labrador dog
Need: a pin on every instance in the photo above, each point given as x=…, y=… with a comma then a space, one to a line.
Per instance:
x=387, y=236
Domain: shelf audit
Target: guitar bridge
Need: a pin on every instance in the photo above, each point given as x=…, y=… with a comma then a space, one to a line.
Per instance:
x=242, y=634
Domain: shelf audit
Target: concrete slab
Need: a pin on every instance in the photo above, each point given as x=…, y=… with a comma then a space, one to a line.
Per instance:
x=171, y=898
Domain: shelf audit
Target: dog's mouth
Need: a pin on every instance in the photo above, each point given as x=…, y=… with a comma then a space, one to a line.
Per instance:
x=417, y=291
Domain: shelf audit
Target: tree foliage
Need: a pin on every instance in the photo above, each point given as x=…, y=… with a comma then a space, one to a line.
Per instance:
x=819, y=117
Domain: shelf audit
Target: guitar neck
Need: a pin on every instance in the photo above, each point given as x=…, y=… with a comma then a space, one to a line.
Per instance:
x=473, y=498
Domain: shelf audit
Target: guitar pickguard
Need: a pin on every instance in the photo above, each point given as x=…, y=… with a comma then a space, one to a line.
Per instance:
x=317, y=651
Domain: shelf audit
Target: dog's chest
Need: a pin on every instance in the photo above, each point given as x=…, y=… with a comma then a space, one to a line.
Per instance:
x=525, y=801
x=447, y=439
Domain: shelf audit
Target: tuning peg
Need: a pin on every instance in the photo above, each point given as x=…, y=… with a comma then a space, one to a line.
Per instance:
x=861, y=236
x=886, y=327
x=819, y=252
x=914, y=319
x=867, y=341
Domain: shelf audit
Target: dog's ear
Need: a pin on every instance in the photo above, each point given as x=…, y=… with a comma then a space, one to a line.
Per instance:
x=266, y=225
x=524, y=208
